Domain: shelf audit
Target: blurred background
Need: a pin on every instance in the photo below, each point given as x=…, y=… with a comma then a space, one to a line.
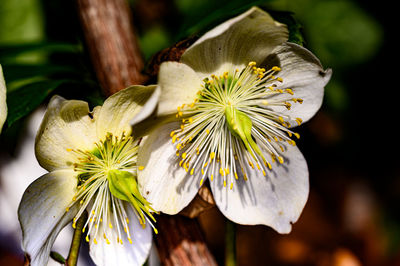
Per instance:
x=353, y=213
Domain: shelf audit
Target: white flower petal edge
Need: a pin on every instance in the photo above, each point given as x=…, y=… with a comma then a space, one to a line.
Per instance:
x=162, y=181
x=250, y=36
x=275, y=200
x=302, y=72
x=179, y=84
x=104, y=254
x=3, y=104
x=120, y=108
x=42, y=213
x=66, y=125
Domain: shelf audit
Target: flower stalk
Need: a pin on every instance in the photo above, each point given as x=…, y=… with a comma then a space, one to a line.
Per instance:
x=76, y=241
x=230, y=244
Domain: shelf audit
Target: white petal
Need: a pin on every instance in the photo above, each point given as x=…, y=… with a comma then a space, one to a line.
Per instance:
x=179, y=85
x=303, y=73
x=120, y=108
x=248, y=37
x=117, y=254
x=275, y=200
x=42, y=212
x=66, y=125
x=166, y=185
x=3, y=104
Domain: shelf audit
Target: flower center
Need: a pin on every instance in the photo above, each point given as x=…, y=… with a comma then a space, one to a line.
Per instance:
x=106, y=181
x=232, y=122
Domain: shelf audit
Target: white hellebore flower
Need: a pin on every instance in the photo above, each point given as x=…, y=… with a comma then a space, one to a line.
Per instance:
x=3, y=104
x=237, y=92
x=91, y=159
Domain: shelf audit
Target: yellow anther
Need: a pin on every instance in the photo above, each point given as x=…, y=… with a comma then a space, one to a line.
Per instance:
x=110, y=225
x=141, y=167
x=83, y=229
x=67, y=209
x=127, y=220
x=197, y=151
x=74, y=224
x=252, y=63
x=95, y=241
x=290, y=91
x=280, y=159
x=221, y=171
x=236, y=176
x=264, y=173
x=202, y=171
x=201, y=181
x=281, y=119
x=174, y=138
x=212, y=177
x=297, y=135
x=180, y=113
x=275, y=68
x=207, y=131
x=184, y=155
x=212, y=155
x=68, y=149
x=267, y=164
x=130, y=240
x=87, y=238
x=231, y=186
x=190, y=120
x=227, y=171
x=279, y=79
x=224, y=183
x=299, y=121
x=245, y=177
x=192, y=171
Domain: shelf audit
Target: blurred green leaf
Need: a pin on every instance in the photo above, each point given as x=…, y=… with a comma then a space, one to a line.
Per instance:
x=15, y=72
x=27, y=98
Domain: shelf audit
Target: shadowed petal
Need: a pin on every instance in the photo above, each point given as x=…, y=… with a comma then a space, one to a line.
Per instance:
x=42, y=213
x=166, y=185
x=302, y=72
x=120, y=108
x=3, y=104
x=114, y=253
x=249, y=37
x=66, y=125
x=179, y=85
x=276, y=199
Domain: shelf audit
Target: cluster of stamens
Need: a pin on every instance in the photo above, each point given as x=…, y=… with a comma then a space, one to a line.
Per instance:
x=93, y=193
x=212, y=136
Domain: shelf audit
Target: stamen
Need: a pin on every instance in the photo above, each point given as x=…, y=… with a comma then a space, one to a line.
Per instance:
x=215, y=146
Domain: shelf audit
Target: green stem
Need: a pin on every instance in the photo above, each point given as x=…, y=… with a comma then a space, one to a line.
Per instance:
x=76, y=241
x=230, y=244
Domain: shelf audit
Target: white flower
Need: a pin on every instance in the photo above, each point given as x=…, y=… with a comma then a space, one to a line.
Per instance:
x=91, y=159
x=3, y=104
x=238, y=91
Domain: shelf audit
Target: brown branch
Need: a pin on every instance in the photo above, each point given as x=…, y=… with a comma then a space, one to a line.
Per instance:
x=180, y=242
x=111, y=42
x=116, y=59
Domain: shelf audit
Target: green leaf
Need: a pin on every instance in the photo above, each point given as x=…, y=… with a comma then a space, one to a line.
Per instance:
x=10, y=51
x=27, y=98
x=15, y=72
x=57, y=257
